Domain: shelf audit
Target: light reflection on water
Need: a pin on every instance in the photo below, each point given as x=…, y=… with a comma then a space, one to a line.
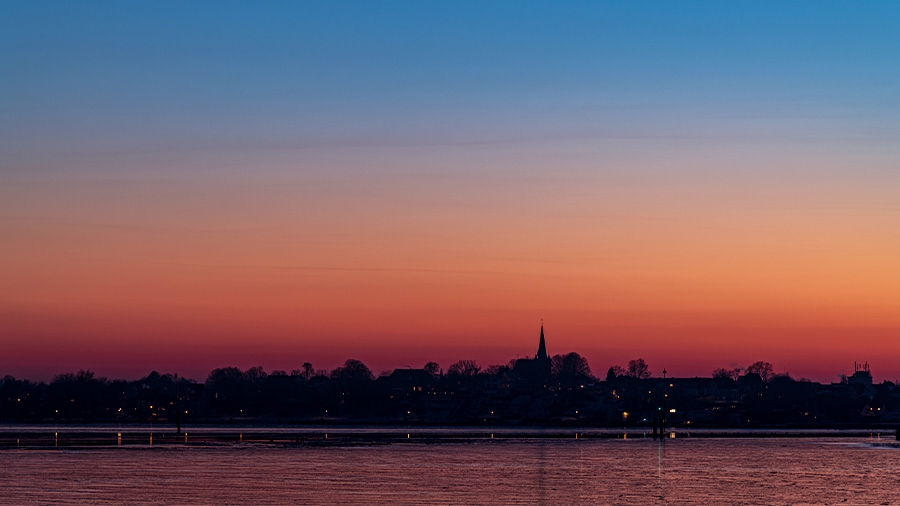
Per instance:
x=526, y=471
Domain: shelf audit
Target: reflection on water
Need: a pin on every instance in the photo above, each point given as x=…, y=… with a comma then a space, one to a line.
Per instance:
x=659, y=448
x=489, y=471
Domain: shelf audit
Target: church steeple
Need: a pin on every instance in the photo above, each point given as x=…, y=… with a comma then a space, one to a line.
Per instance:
x=542, y=347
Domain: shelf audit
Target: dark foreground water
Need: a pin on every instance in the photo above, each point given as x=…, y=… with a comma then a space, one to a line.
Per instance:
x=510, y=470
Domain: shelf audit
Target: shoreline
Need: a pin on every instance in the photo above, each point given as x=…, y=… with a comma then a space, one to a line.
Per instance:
x=63, y=437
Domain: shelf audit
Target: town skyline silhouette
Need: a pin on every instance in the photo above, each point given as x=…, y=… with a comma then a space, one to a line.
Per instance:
x=543, y=390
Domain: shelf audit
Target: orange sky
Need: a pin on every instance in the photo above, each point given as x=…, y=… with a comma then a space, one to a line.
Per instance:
x=691, y=273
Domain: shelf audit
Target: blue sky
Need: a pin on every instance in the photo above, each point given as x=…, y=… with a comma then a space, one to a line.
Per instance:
x=107, y=76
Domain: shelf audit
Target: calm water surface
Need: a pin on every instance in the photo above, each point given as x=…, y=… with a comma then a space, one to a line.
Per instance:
x=513, y=471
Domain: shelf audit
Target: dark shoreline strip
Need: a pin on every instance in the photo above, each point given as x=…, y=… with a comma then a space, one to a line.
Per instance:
x=324, y=437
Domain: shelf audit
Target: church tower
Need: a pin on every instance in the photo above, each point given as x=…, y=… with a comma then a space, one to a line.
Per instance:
x=534, y=372
x=542, y=347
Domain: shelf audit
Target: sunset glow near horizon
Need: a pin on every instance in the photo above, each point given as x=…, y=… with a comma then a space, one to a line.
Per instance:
x=184, y=187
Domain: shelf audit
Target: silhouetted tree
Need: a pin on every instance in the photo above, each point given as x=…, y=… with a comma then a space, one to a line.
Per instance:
x=224, y=376
x=353, y=372
x=82, y=376
x=732, y=374
x=638, y=369
x=255, y=375
x=762, y=369
x=307, y=371
x=615, y=372
x=228, y=389
x=77, y=394
x=22, y=398
x=496, y=369
x=782, y=379
x=81, y=397
x=570, y=368
x=466, y=368
x=432, y=368
x=278, y=394
x=353, y=382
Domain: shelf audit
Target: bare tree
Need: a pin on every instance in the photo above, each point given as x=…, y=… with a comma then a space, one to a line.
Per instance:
x=464, y=368
x=638, y=369
x=255, y=374
x=762, y=369
x=732, y=374
x=614, y=372
x=432, y=368
x=353, y=371
x=570, y=367
x=496, y=369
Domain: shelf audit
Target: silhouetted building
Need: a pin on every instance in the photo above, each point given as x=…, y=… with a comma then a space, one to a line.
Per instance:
x=415, y=380
x=861, y=375
x=534, y=371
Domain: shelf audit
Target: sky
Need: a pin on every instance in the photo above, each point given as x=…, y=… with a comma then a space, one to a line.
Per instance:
x=191, y=185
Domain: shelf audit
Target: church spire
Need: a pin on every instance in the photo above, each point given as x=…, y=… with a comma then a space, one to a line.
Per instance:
x=542, y=347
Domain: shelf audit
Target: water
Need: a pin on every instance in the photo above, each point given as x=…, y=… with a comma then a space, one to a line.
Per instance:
x=465, y=470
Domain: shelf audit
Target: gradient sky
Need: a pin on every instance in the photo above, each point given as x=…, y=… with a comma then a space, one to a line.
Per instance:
x=190, y=185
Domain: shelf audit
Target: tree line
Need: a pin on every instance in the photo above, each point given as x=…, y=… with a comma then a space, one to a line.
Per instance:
x=351, y=389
